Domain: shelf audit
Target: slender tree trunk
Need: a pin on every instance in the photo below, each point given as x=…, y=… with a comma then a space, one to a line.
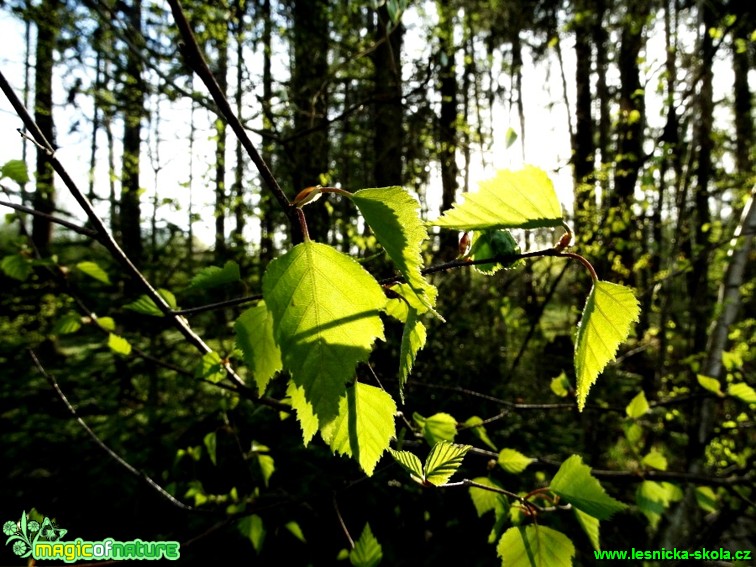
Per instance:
x=309, y=95
x=133, y=100
x=240, y=8
x=44, y=195
x=447, y=121
x=221, y=75
x=743, y=102
x=388, y=134
x=267, y=216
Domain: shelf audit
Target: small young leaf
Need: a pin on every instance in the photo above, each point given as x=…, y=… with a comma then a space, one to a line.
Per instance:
x=487, y=500
x=742, y=391
x=364, y=425
x=325, y=310
x=254, y=336
x=573, y=483
x=252, y=528
x=413, y=339
x=493, y=244
x=438, y=427
x=513, y=461
x=266, y=462
x=510, y=137
x=211, y=368
x=590, y=526
x=15, y=170
x=475, y=426
x=93, y=270
x=146, y=306
x=17, y=267
x=655, y=460
x=410, y=463
x=710, y=384
x=106, y=323
x=367, y=551
x=606, y=322
x=513, y=199
x=443, y=461
x=638, y=406
x=652, y=498
x=296, y=531
x=213, y=276
x=560, y=385
x=69, y=323
x=706, y=498
x=211, y=444
x=119, y=345
x=535, y=546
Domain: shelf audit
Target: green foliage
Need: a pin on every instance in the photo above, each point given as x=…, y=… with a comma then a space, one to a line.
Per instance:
x=535, y=546
x=513, y=199
x=254, y=336
x=15, y=170
x=513, y=461
x=213, y=276
x=367, y=551
x=638, y=406
x=322, y=327
x=573, y=483
x=146, y=306
x=493, y=244
x=438, y=427
x=17, y=266
x=119, y=345
x=93, y=270
x=442, y=462
x=606, y=322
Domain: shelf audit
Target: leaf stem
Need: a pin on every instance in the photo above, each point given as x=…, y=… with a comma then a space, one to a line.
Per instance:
x=588, y=266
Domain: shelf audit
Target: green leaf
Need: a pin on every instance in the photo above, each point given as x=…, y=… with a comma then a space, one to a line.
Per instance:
x=211, y=444
x=475, y=426
x=493, y=244
x=254, y=336
x=409, y=462
x=364, y=425
x=69, y=323
x=560, y=385
x=606, y=322
x=367, y=551
x=535, y=546
x=742, y=391
x=638, y=406
x=106, y=323
x=119, y=345
x=93, y=270
x=325, y=310
x=443, y=461
x=393, y=215
x=252, y=528
x=513, y=199
x=513, y=461
x=264, y=460
x=296, y=531
x=211, y=368
x=653, y=498
x=487, y=500
x=706, y=498
x=438, y=427
x=213, y=276
x=590, y=526
x=573, y=482
x=413, y=339
x=17, y=267
x=510, y=137
x=15, y=170
x=146, y=306
x=710, y=384
x=655, y=460
x=308, y=421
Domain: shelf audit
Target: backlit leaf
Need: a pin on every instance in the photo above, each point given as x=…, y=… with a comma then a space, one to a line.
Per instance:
x=513, y=461
x=606, y=322
x=308, y=421
x=574, y=483
x=513, y=199
x=535, y=546
x=413, y=339
x=93, y=270
x=146, y=306
x=476, y=427
x=213, y=276
x=590, y=526
x=655, y=460
x=16, y=266
x=211, y=445
x=710, y=384
x=325, y=310
x=487, y=500
x=253, y=529
x=364, y=425
x=393, y=215
x=742, y=391
x=15, y=170
x=367, y=551
x=560, y=385
x=438, y=427
x=119, y=345
x=254, y=336
x=638, y=406
x=106, y=323
x=493, y=244
x=443, y=461
x=211, y=368
x=409, y=462
x=706, y=498
x=69, y=323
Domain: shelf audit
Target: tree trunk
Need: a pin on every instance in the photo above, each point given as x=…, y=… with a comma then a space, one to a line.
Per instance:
x=44, y=196
x=221, y=75
x=133, y=100
x=267, y=215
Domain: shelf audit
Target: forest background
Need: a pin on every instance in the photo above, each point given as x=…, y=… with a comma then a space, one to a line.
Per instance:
x=641, y=112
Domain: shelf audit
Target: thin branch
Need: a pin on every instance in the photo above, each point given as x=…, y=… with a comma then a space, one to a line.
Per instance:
x=57, y=220
x=342, y=523
x=115, y=456
x=219, y=305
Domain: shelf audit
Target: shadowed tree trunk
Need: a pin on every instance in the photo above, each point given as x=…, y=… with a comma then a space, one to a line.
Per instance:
x=133, y=100
x=220, y=71
x=267, y=222
x=46, y=17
